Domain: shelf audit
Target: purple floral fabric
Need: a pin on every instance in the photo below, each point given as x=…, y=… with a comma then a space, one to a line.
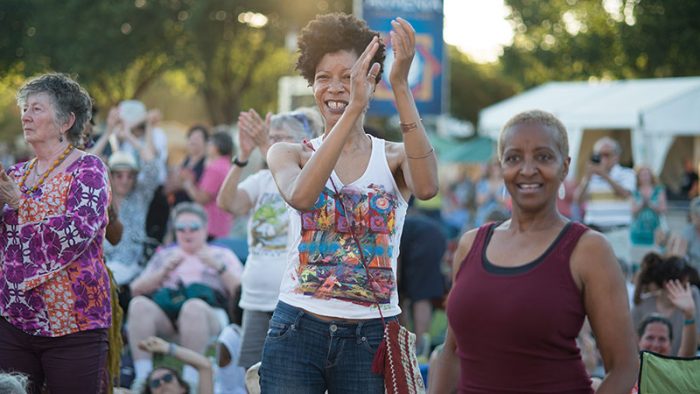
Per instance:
x=53, y=280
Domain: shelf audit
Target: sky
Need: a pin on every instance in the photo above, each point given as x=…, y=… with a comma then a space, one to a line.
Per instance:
x=477, y=27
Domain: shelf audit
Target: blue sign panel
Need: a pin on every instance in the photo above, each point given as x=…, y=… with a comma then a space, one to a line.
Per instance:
x=426, y=75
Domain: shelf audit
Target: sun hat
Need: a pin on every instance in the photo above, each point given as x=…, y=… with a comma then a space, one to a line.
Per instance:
x=121, y=160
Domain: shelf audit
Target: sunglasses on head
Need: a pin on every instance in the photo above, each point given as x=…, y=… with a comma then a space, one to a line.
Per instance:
x=167, y=378
x=180, y=227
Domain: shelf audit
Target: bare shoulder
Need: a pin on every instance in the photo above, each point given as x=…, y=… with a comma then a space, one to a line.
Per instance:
x=593, y=256
x=463, y=247
x=284, y=154
x=395, y=154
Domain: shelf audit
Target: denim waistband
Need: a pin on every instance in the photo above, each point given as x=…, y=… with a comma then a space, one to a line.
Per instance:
x=341, y=328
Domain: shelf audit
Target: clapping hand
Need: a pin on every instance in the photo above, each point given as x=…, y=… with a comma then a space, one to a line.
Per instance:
x=253, y=131
x=9, y=191
x=172, y=261
x=403, y=44
x=153, y=117
x=206, y=256
x=681, y=297
x=363, y=75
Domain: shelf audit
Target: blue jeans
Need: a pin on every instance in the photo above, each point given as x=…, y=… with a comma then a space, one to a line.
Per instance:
x=303, y=354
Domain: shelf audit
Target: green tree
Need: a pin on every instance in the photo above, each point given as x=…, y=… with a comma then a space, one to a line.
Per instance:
x=475, y=86
x=661, y=38
x=562, y=40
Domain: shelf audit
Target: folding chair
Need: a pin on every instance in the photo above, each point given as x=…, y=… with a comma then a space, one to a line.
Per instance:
x=659, y=374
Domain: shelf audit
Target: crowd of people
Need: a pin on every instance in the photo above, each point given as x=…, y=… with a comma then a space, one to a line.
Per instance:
x=102, y=244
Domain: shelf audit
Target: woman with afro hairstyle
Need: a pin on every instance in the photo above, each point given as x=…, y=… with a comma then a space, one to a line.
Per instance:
x=345, y=189
x=662, y=288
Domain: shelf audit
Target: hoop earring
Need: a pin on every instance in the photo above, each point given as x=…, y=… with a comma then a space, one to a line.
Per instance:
x=562, y=191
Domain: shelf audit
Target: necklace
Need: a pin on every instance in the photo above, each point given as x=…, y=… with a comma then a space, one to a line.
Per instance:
x=56, y=163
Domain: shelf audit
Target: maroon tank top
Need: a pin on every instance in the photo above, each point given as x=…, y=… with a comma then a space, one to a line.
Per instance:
x=516, y=328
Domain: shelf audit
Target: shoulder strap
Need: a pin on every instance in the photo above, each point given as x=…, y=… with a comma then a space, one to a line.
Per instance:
x=351, y=223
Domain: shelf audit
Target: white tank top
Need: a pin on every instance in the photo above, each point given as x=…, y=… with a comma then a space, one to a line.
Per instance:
x=324, y=272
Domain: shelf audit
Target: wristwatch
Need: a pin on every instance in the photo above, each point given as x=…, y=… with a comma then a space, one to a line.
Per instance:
x=238, y=163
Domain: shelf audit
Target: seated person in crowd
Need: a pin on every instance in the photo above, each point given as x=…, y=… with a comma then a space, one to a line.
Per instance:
x=167, y=380
x=661, y=288
x=188, y=285
x=131, y=195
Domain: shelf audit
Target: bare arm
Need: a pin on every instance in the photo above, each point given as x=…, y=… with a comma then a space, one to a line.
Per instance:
x=115, y=228
x=300, y=187
x=187, y=356
x=595, y=269
x=230, y=279
x=112, y=122
x=682, y=298
x=150, y=281
x=446, y=374
x=419, y=165
x=230, y=198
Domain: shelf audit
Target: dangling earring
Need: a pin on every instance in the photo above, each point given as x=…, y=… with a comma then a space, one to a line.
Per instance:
x=562, y=191
x=60, y=138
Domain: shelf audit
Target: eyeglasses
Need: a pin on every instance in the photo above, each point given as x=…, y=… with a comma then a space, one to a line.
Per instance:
x=188, y=227
x=280, y=138
x=606, y=154
x=167, y=378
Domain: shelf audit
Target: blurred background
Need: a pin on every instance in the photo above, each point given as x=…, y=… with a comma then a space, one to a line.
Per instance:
x=204, y=61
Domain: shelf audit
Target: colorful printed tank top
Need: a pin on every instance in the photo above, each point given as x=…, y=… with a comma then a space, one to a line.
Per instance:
x=325, y=274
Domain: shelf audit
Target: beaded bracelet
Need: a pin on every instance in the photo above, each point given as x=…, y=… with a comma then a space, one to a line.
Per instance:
x=430, y=152
x=408, y=127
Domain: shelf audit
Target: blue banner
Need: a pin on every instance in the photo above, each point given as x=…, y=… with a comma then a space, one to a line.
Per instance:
x=426, y=75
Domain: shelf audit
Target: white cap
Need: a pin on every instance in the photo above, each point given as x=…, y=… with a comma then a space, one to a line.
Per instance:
x=121, y=160
x=132, y=112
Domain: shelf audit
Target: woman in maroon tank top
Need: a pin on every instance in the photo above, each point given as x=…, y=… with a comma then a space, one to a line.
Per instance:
x=522, y=288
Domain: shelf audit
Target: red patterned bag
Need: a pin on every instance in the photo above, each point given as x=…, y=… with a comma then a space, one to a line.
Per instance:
x=396, y=355
x=396, y=359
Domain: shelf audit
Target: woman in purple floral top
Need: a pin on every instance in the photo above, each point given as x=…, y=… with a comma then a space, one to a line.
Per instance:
x=54, y=287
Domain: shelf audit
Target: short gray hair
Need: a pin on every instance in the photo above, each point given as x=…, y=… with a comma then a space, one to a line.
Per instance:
x=67, y=97
x=189, y=207
x=609, y=141
x=542, y=118
x=13, y=383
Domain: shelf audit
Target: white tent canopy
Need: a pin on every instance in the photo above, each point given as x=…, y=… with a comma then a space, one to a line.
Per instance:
x=653, y=110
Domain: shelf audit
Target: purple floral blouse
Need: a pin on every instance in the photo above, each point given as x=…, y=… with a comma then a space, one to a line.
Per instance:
x=53, y=280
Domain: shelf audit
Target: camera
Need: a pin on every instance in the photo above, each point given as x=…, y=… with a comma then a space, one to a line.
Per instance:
x=595, y=158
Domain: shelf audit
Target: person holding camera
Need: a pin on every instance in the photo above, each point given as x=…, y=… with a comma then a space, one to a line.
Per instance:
x=605, y=190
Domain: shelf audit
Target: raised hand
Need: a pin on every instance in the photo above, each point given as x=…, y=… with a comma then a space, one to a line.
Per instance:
x=154, y=345
x=113, y=119
x=9, y=191
x=403, y=44
x=253, y=131
x=681, y=297
x=153, y=117
x=363, y=75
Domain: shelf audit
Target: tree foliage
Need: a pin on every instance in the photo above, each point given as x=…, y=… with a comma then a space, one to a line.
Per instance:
x=581, y=39
x=475, y=86
x=663, y=39
x=118, y=48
